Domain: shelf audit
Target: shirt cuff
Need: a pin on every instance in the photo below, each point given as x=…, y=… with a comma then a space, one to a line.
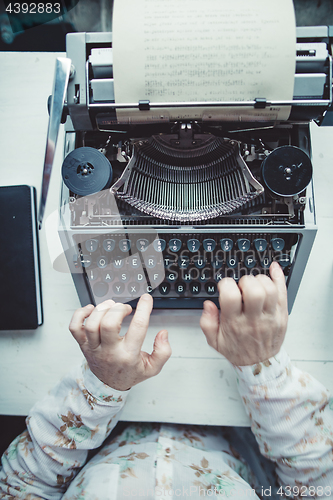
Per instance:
x=265, y=371
x=100, y=391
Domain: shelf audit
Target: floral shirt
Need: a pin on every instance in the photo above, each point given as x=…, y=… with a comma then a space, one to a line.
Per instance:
x=291, y=415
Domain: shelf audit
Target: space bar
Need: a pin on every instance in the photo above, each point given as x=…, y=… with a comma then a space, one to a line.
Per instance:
x=173, y=302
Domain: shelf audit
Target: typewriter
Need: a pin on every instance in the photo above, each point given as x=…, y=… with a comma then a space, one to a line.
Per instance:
x=172, y=208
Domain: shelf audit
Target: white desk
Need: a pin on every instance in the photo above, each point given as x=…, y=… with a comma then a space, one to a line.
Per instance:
x=32, y=362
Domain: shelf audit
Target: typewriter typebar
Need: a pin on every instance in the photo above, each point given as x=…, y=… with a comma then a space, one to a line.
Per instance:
x=172, y=208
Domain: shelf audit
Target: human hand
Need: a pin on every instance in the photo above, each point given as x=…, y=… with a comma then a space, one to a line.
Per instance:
x=118, y=361
x=253, y=317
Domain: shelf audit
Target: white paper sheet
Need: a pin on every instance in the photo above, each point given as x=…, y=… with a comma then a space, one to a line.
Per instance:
x=203, y=50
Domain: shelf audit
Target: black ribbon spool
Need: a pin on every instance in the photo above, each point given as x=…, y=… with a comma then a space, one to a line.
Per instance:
x=287, y=171
x=86, y=171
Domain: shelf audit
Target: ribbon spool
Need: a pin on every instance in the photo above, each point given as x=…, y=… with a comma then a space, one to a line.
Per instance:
x=86, y=171
x=287, y=171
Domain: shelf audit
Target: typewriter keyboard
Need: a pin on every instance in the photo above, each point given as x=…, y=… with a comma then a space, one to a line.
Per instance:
x=178, y=270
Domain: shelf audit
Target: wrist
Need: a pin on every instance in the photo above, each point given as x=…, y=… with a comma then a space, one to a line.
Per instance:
x=252, y=358
x=264, y=371
x=100, y=391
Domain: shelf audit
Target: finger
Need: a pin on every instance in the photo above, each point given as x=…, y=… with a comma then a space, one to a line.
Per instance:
x=209, y=322
x=160, y=355
x=253, y=294
x=271, y=293
x=230, y=298
x=92, y=325
x=139, y=325
x=279, y=281
x=76, y=325
x=111, y=323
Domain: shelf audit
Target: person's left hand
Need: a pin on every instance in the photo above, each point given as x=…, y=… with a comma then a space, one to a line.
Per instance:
x=118, y=361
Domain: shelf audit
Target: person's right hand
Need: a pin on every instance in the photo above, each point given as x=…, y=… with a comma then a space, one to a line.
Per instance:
x=252, y=321
x=118, y=361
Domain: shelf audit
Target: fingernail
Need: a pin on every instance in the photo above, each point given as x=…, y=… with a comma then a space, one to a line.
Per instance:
x=205, y=308
x=146, y=296
x=276, y=269
x=164, y=336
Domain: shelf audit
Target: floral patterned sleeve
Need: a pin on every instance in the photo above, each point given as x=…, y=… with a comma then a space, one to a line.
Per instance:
x=77, y=416
x=292, y=418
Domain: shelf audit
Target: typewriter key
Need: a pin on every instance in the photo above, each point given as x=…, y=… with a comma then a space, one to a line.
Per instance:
x=118, y=288
x=91, y=245
x=159, y=245
x=205, y=275
x=107, y=276
x=180, y=288
x=284, y=260
x=195, y=288
x=260, y=244
x=226, y=244
x=243, y=244
x=86, y=171
x=232, y=262
x=278, y=244
x=250, y=262
x=209, y=245
x=135, y=261
x=164, y=288
x=125, y=245
x=109, y=245
x=85, y=260
x=199, y=261
x=265, y=262
x=100, y=289
x=118, y=262
x=211, y=288
x=142, y=244
x=217, y=262
x=287, y=171
x=193, y=245
x=133, y=288
x=150, y=261
x=92, y=274
x=183, y=262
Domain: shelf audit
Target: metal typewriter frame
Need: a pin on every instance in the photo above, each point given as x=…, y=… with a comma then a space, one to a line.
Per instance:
x=306, y=232
x=80, y=111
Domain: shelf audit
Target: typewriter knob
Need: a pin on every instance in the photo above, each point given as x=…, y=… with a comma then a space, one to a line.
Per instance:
x=287, y=171
x=65, y=111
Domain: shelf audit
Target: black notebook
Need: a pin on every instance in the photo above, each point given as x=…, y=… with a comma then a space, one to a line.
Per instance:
x=20, y=282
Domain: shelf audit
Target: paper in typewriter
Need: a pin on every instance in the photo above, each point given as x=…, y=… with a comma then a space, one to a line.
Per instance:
x=212, y=50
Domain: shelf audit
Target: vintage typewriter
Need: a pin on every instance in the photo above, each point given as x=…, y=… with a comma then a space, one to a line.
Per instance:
x=172, y=208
